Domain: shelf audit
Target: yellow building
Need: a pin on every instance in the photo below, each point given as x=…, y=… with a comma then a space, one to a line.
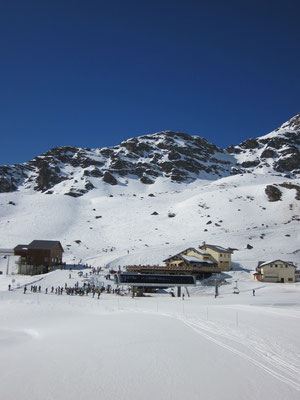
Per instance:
x=218, y=254
x=275, y=271
x=190, y=257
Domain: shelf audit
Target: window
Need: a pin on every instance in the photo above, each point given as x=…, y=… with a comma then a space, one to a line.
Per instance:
x=290, y=279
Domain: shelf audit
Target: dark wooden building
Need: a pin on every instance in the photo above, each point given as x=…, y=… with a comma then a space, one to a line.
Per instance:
x=39, y=256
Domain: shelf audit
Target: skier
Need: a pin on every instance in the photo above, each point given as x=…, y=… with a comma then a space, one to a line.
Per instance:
x=25, y=288
x=9, y=287
x=253, y=292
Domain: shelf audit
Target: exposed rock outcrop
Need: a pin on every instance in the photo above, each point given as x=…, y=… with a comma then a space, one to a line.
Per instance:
x=174, y=156
x=273, y=193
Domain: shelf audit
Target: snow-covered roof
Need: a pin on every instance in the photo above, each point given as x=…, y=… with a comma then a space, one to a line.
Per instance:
x=219, y=249
x=196, y=260
x=181, y=254
x=264, y=263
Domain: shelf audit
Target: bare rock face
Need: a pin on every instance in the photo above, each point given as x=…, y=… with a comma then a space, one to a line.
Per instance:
x=290, y=160
x=6, y=185
x=47, y=176
x=146, y=180
x=250, y=144
x=268, y=153
x=96, y=173
x=109, y=178
x=279, y=151
x=273, y=193
x=174, y=156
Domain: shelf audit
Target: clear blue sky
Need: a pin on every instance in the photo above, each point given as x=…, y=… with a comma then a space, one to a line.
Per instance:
x=92, y=73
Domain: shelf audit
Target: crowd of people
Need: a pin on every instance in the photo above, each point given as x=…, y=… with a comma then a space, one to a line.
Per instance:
x=90, y=288
x=85, y=290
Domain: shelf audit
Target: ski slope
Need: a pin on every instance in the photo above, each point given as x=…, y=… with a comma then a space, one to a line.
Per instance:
x=232, y=347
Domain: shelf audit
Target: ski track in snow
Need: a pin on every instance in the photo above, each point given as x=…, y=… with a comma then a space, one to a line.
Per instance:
x=287, y=372
x=273, y=362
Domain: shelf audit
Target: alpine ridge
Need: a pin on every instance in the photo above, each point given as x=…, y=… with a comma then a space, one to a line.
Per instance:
x=174, y=156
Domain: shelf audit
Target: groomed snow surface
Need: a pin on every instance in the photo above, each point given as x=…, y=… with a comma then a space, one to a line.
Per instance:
x=70, y=347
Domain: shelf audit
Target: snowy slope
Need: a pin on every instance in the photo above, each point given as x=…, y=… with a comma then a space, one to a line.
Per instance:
x=278, y=151
x=113, y=220
x=233, y=347
x=232, y=212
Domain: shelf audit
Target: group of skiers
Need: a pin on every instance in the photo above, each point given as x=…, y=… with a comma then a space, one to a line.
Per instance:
x=84, y=290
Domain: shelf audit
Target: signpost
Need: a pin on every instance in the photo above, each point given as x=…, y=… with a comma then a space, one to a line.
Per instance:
x=7, y=266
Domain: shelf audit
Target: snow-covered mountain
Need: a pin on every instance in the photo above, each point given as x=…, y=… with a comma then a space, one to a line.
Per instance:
x=74, y=171
x=140, y=202
x=153, y=195
x=277, y=151
x=173, y=155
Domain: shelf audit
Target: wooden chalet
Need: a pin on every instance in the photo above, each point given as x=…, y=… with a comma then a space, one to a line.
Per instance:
x=39, y=256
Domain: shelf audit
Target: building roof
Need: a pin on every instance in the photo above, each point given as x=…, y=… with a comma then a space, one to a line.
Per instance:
x=218, y=249
x=44, y=244
x=183, y=251
x=196, y=260
x=21, y=247
x=264, y=263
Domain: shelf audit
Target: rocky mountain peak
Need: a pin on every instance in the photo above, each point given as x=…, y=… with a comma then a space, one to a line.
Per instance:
x=174, y=156
x=168, y=155
x=292, y=124
x=278, y=151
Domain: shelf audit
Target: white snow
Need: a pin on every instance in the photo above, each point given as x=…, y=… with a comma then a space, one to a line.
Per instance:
x=233, y=347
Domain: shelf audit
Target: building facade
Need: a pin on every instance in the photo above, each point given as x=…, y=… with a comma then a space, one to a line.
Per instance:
x=39, y=256
x=275, y=271
x=219, y=254
x=188, y=257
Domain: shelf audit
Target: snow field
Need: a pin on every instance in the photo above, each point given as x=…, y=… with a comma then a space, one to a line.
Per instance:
x=231, y=212
x=232, y=347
